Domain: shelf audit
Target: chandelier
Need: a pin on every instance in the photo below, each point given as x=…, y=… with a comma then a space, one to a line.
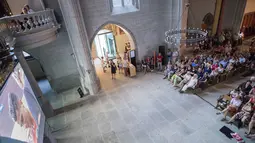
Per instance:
x=186, y=36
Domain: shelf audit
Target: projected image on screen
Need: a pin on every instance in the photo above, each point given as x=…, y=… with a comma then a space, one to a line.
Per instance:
x=21, y=118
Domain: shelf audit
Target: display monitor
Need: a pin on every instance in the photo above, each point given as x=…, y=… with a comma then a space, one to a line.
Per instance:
x=21, y=117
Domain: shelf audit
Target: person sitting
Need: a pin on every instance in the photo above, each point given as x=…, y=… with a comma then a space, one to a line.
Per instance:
x=245, y=88
x=185, y=79
x=250, y=71
x=220, y=49
x=200, y=73
x=242, y=59
x=214, y=73
x=194, y=64
x=244, y=115
x=191, y=84
x=202, y=81
x=172, y=72
x=235, y=103
x=252, y=79
x=220, y=69
x=228, y=47
x=177, y=77
x=190, y=69
x=215, y=65
x=251, y=125
x=207, y=69
x=234, y=93
x=232, y=60
x=209, y=58
x=224, y=63
x=230, y=67
x=204, y=78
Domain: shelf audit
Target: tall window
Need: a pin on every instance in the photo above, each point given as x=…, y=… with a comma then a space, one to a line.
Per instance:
x=117, y=3
x=124, y=6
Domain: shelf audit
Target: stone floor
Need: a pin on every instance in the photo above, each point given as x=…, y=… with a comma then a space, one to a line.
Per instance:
x=145, y=109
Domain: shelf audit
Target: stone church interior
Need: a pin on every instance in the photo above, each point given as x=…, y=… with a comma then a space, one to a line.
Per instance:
x=127, y=71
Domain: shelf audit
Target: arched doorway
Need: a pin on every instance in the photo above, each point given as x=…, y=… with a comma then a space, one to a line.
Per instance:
x=110, y=42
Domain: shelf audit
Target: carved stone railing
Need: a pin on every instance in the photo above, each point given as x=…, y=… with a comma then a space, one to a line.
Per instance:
x=29, y=30
x=24, y=24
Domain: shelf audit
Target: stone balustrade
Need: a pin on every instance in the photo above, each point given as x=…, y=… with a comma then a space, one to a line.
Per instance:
x=24, y=24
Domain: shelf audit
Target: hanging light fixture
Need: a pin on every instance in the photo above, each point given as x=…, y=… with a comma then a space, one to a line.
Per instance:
x=192, y=35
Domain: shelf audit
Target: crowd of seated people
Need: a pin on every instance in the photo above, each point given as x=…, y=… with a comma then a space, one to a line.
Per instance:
x=200, y=70
x=242, y=100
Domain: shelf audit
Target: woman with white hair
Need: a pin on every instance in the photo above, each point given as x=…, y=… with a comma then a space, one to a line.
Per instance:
x=191, y=84
x=252, y=79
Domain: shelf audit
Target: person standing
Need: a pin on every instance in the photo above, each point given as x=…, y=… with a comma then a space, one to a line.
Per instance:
x=175, y=56
x=119, y=62
x=125, y=66
x=113, y=70
x=103, y=64
x=169, y=55
x=159, y=61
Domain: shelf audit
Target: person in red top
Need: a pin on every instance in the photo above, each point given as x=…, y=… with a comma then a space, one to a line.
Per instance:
x=148, y=61
x=159, y=61
x=215, y=66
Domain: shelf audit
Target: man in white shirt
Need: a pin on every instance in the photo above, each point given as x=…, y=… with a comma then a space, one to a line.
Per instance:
x=191, y=84
x=185, y=79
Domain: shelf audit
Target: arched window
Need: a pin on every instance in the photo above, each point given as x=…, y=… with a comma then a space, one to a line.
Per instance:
x=124, y=6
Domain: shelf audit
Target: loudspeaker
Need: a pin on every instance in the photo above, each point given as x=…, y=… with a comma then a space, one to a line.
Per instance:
x=162, y=50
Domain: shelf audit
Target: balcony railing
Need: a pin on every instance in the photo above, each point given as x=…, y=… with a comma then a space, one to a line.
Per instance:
x=19, y=25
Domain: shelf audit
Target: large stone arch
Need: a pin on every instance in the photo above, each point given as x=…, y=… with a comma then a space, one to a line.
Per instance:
x=120, y=25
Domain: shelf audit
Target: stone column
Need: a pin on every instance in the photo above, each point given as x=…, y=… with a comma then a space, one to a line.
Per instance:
x=45, y=104
x=76, y=29
x=241, y=4
x=232, y=14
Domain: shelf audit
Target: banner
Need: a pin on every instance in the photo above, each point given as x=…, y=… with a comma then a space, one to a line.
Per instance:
x=21, y=117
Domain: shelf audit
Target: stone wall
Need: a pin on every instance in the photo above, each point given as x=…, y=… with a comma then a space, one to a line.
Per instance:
x=250, y=6
x=16, y=6
x=198, y=9
x=147, y=25
x=56, y=58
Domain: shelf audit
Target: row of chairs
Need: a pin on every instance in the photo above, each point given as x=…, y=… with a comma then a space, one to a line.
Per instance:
x=220, y=78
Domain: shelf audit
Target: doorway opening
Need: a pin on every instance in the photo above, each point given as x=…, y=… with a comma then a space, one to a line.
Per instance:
x=111, y=43
x=105, y=44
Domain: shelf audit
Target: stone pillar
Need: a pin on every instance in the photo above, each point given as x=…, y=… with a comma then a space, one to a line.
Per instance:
x=232, y=14
x=184, y=25
x=45, y=104
x=217, y=14
x=76, y=29
x=239, y=15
